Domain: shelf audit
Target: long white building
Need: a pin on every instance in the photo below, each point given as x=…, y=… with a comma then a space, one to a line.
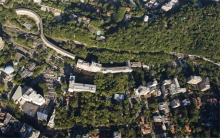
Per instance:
x=80, y=87
x=96, y=67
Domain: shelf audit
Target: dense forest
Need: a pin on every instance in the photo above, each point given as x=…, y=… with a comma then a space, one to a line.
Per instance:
x=188, y=29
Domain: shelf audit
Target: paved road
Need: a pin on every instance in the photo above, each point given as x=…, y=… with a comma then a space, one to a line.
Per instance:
x=39, y=23
x=195, y=56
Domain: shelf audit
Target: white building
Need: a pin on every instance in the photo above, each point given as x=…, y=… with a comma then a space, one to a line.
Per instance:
x=51, y=123
x=175, y=87
x=146, y=18
x=157, y=118
x=96, y=67
x=164, y=107
x=37, y=1
x=168, y=6
x=194, y=79
x=119, y=97
x=26, y=94
x=141, y=90
x=80, y=87
x=164, y=91
x=167, y=82
x=92, y=67
x=116, y=134
x=176, y=83
x=2, y=43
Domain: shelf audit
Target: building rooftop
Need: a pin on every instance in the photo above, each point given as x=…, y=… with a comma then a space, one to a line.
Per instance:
x=31, y=96
x=96, y=67
x=142, y=90
x=27, y=25
x=80, y=87
x=194, y=79
x=119, y=97
x=30, y=109
x=32, y=66
x=163, y=106
x=27, y=94
x=204, y=84
x=117, y=134
x=9, y=69
x=175, y=103
x=17, y=94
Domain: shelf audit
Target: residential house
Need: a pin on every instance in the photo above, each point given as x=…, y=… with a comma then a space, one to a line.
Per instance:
x=2, y=43
x=80, y=87
x=44, y=8
x=37, y=1
x=116, y=134
x=30, y=109
x=119, y=97
x=28, y=131
x=204, y=84
x=141, y=90
x=100, y=37
x=32, y=67
x=157, y=118
x=175, y=103
x=42, y=113
x=164, y=91
x=128, y=9
x=188, y=129
x=127, y=17
x=175, y=87
x=194, y=79
x=27, y=25
x=145, y=125
x=167, y=82
x=176, y=83
x=186, y=102
x=168, y=6
x=136, y=64
x=164, y=107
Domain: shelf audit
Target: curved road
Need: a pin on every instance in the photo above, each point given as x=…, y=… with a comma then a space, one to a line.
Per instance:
x=39, y=23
